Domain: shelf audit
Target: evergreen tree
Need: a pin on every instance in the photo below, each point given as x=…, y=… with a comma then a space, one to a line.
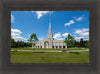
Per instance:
x=77, y=44
x=82, y=44
x=86, y=43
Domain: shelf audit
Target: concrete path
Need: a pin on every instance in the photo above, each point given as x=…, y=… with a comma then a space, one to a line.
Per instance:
x=51, y=50
x=78, y=50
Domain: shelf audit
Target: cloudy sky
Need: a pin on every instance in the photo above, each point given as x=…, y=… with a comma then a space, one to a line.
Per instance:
x=24, y=23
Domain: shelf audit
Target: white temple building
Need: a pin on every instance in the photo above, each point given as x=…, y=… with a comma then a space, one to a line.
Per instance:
x=49, y=42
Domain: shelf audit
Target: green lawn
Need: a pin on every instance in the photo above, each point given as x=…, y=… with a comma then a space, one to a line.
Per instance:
x=49, y=57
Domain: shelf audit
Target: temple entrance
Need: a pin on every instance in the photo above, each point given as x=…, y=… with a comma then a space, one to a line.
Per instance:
x=46, y=44
x=59, y=46
x=52, y=46
x=63, y=46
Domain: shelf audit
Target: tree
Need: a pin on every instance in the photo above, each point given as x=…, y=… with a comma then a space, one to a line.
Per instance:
x=76, y=44
x=86, y=43
x=13, y=43
x=33, y=38
x=69, y=41
x=82, y=44
x=16, y=44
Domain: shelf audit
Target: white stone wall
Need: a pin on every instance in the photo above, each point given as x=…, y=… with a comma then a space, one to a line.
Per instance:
x=52, y=44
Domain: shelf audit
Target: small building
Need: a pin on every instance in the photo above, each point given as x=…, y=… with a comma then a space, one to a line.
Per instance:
x=49, y=42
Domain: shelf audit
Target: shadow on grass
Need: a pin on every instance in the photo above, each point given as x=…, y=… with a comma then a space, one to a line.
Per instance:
x=75, y=52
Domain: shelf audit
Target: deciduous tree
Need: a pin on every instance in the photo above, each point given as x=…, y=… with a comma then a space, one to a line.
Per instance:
x=69, y=41
x=33, y=39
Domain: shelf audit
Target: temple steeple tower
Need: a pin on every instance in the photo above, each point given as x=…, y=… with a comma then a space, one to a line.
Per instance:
x=49, y=26
x=49, y=35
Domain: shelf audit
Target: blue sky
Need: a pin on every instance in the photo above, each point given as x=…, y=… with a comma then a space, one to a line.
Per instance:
x=24, y=23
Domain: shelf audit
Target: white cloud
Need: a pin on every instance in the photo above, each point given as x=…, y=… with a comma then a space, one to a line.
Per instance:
x=78, y=38
x=57, y=35
x=82, y=32
x=69, y=23
x=16, y=30
x=12, y=18
x=41, y=13
x=65, y=34
x=80, y=18
x=19, y=38
x=15, y=33
x=85, y=34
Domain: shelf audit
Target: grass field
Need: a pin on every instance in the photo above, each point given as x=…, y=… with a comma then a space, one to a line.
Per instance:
x=49, y=57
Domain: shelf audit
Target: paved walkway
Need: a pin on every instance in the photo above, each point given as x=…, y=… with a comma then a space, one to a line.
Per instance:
x=78, y=50
x=50, y=50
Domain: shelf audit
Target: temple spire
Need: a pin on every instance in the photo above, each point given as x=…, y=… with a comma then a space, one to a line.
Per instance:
x=49, y=26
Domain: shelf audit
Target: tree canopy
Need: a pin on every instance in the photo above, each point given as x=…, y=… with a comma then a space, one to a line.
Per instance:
x=71, y=42
x=16, y=44
x=33, y=39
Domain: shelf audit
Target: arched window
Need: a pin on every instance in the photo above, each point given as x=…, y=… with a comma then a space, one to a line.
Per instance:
x=63, y=46
x=59, y=46
x=52, y=46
